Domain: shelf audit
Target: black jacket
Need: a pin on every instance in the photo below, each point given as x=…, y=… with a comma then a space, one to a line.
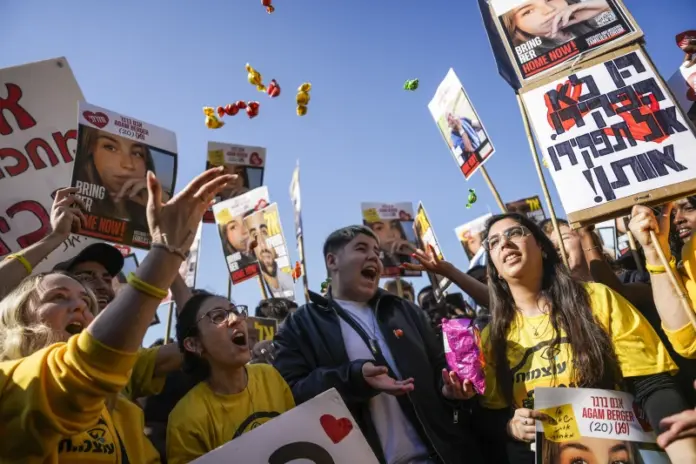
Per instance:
x=311, y=356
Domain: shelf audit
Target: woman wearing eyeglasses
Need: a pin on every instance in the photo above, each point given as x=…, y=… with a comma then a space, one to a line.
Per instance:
x=232, y=397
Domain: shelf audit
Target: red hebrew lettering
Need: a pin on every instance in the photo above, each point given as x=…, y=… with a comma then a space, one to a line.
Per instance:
x=62, y=143
x=11, y=103
x=37, y=210
x=22, y=163
x=32, y=150
x=4, y=228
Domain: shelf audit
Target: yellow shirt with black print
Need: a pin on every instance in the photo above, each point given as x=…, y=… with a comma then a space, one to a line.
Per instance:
x=684, y=339
x=638, y=349
x=204, y=420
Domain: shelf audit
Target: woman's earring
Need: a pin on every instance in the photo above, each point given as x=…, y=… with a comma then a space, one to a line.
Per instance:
x=544, y=255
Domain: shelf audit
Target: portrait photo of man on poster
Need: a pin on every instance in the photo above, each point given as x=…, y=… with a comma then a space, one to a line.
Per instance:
x=237, y=242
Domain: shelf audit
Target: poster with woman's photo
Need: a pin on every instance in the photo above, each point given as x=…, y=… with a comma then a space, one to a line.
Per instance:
x=271, y=251
x=237, y=243
x=248, y=163
x=529, y=207
x=593, y=426
x=460, y=126
x=114, y=153
x=470, y=236
x=425, y=237
x=544, y=36
x=393, y=225
x=120, y=281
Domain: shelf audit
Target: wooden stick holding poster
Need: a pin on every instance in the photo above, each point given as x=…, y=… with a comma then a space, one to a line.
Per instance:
x=168, y=329
x=542, y=180
x=494, y=191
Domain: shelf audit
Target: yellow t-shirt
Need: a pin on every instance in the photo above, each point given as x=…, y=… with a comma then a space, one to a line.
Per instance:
x=204, y=420
x=683, y=340
x=56, y=392
x=638, y=348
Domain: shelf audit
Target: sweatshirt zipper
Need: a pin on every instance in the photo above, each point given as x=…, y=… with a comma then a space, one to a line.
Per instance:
x=415, y=409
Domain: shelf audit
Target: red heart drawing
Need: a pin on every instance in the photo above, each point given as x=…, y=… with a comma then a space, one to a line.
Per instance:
x=98, y=119
x=336, y=429
x=255, y=159
x=260, y=205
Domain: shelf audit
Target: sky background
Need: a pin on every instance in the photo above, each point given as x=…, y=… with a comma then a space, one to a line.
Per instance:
x=364, y=138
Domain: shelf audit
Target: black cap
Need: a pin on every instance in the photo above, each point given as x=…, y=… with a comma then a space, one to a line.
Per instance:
x=103, y=253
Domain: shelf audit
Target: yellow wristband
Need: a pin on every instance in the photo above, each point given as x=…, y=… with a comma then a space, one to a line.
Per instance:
x=660, y=269
x=143, y=287
x=23, y=260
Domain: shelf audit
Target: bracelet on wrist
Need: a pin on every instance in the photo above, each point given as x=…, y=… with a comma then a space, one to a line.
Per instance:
x=27, y=265
x=171, y=249
x=659, y=268
x=146, y=288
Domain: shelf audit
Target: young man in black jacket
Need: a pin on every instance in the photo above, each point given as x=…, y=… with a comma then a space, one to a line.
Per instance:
x=379, y=352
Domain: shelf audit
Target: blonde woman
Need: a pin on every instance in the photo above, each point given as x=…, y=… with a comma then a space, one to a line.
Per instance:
x=60, y=365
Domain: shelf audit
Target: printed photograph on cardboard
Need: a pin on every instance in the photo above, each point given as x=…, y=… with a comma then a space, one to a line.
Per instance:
x=393, y=225
x=425, y=237
x=683, y=87
x=114, y=153
x=237, y=242
x=470, y=237
x=529, y=207
x=247, y=162
x=460, y=125
x=544, y=34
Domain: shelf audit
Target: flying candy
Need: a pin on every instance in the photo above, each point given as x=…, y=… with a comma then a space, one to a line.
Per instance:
x=471, y=198
x=297, y=271
x=252, y=109
x=273, y=89
x=211, y=121
x=325, y=285
x=302, y=98
x=255, y=78
x=687, y=41
x=411, y=84
x=269, y=8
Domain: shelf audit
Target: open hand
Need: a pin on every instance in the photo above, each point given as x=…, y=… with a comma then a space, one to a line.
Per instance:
x=378, y=378
x=429, y=262
x=453, y=389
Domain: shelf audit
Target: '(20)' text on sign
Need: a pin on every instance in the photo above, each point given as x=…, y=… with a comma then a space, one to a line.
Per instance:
x=609, y=132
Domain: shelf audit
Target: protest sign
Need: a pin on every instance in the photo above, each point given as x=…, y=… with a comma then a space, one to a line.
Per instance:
x=544, y=38
x=260, y=329
x=246, y=162
x=393, y=225
x=271, y=251
x=38, y=137
x=530, y=207
x=469, y=236
x=130, y=264
x=299, y=233
x=612, y=137
x=234, y=235
x=114, y=153
x=320, y=431
x=682, y=84
x=425, y=237
x=592, y=425
x=460, y=126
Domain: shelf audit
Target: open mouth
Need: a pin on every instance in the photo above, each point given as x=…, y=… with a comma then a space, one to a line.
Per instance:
x=512, y=258
x=369, y=273
x=239, y=339
x=74, y=328
x=684, y=233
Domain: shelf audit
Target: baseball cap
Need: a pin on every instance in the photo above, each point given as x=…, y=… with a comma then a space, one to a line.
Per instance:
x=103, y=253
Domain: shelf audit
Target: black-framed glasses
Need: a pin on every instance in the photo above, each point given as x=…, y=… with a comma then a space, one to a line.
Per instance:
x=514, y=234
x=220, y=316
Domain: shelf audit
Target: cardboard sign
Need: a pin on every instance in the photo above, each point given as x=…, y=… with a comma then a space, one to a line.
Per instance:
x=681, y=86
x=460, y=126
x=320, y=431
x=544, y=38
x=425, y=236
x=234, y=234
x=114, y=153
x=271, y=251
x=38, y=138
x=613, y=137
x=530, y=207
x=592, y=425
x=469, y=235
x=248, y=163
x=260, y=329
x=393, y=225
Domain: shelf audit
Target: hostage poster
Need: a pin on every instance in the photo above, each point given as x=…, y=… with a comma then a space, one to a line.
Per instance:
x=425, y=237
x=470, y=236
x=271, y=251
x=544, y=36
x=612, y=136
x=114, y=153
x=529, y=207
x=237, y=244
x=460, y=126
x=593, y=426
x=38, y=138
x=246, y=162
x=393, y=225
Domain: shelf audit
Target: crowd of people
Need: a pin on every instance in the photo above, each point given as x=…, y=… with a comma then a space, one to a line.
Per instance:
x=76, y=386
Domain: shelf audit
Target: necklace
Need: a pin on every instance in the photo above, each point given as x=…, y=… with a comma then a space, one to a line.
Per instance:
x=536, y=328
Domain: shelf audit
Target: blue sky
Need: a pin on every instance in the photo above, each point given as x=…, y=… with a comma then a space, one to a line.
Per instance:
x=364, y=138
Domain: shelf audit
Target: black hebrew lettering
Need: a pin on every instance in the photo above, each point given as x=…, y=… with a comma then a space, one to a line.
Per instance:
x=625, y=99
x=667, y=119
x=647, y=88
x=623, y=62
x=650, y=122
x=621, y=177
x=603, y=182
x=620, y=130
x=592, y=91
x=566, y=114
x=300, y=450
x=662, y=160
x=562, y=95
x=602, y=101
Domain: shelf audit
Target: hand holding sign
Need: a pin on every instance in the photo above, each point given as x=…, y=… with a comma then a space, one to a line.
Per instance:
x=378, y=378
x=66, y=212
x=522, y=426
x=643, y=221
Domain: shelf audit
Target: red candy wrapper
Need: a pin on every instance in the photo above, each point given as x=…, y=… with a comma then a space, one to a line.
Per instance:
x=463, y=351
x=685, y=38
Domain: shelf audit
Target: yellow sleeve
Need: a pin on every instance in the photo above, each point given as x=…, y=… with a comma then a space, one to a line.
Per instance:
x=143, y=381
x=491, y=398
x=56, y=392
x=638, y=348
x=683, y=340
x=184, y=437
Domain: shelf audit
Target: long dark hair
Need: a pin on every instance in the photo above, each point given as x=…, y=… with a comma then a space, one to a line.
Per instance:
x=186, y=326
x=595, y=363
